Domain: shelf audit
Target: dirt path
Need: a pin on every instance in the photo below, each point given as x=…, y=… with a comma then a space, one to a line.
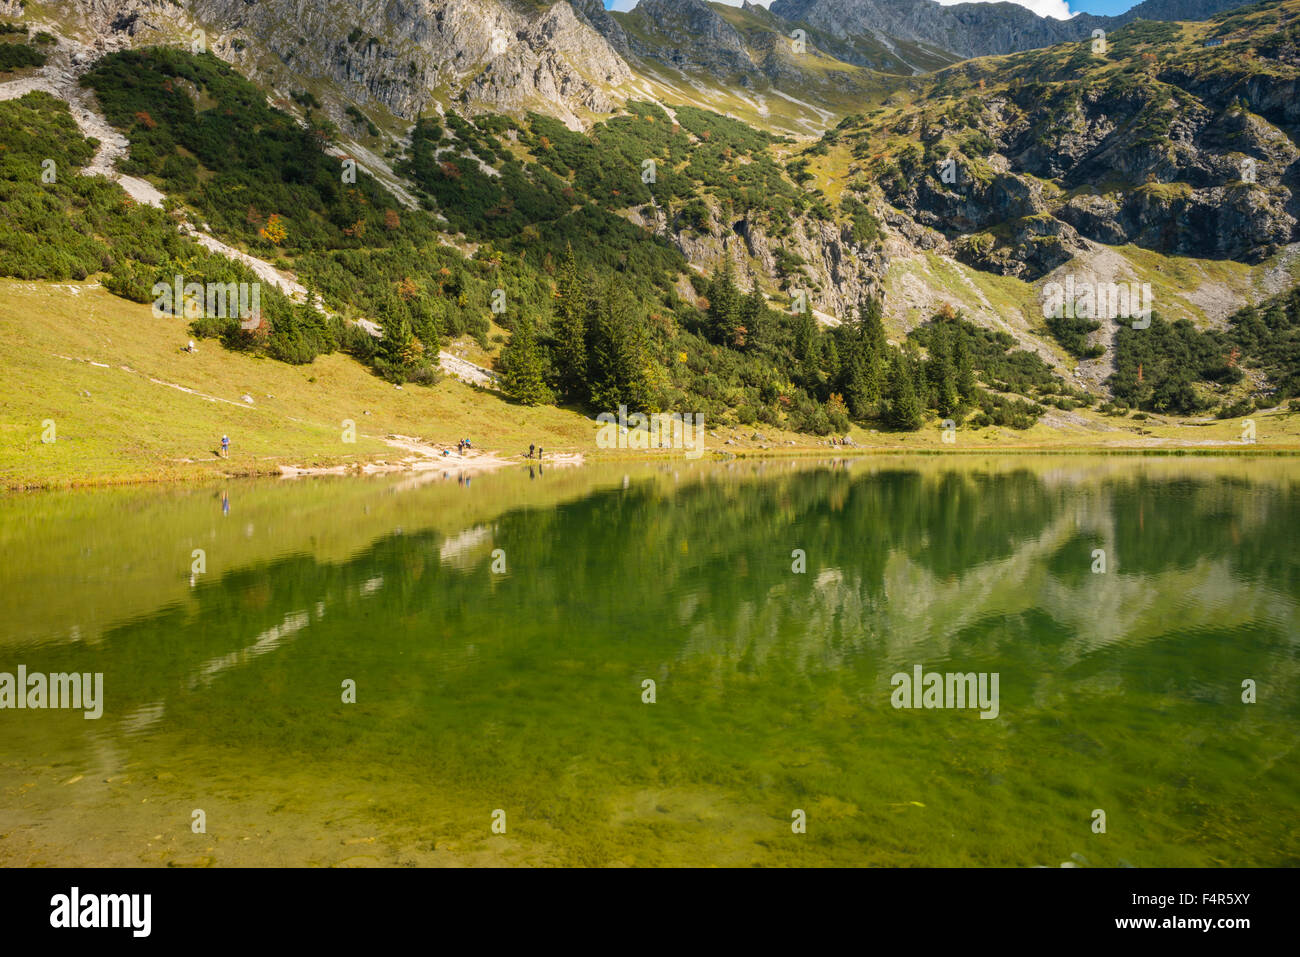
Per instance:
x=61, y=77
x=423, y=457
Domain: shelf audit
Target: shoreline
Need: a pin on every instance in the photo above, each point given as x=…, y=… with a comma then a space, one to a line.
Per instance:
x=423, y=461
x=428, y=457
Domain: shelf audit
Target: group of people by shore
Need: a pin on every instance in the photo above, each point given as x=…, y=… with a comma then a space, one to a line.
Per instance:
x=462, y=446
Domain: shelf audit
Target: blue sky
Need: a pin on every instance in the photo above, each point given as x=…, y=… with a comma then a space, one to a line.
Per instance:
x=1057, y=8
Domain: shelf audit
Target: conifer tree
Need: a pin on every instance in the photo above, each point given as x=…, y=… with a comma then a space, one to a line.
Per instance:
x=831, y=364
x=398, y=349
x=724, y=307
x=571, y=330
x=965, y=370
x=904, y=408
x=854, y=380
x=862, y=352
x=806, y=352
x=871, y=330
x=753, y=315
x=618, y=352
x=523, y=372
x=940, y=374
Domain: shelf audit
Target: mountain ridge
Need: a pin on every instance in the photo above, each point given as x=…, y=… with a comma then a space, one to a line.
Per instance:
x=978, y=29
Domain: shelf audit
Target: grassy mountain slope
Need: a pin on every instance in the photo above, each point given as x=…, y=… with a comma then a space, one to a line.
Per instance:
x=129, y=404
x=505, y=197
x=128, y=417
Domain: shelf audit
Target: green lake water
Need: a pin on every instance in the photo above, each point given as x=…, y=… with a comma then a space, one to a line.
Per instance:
x=481, y=689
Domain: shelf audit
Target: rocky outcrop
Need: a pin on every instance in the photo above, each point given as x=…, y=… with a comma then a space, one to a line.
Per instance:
x=976, y=29
x=837, y=274
x=541, y=69
x=689, y=34
x=1245, y=222
x=1173, y=161
x=594, y=14
x=398, y=54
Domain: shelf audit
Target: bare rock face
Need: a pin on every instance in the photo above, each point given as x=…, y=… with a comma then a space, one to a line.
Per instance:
x=594, y=14
x=127, y=21
x=837, y=275
x=1189, y=173
x=540, y=68
x=689, y=34
x=399, y=54
x=976, y=29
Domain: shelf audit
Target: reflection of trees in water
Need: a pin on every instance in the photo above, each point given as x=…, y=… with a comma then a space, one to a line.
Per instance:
x=1162, y=525
x=902, y=567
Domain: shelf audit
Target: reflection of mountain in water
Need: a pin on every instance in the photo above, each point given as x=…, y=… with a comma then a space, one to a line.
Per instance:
x=901, y=568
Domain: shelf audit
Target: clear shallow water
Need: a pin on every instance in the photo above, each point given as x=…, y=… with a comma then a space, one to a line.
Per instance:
x=522, y=691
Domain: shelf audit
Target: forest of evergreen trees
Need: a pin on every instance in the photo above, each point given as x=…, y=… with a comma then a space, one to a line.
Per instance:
x=596, y=351
x=596, y=316
x=589, y=330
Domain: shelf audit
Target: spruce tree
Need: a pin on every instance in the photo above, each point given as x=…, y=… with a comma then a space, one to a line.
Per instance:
x=854, y=381
x=753, y=315
x=618, y=352
x=399, y=351
x=522, y=370
x=571, y=329
x=904, y=408
x=806, y=351
x=724, y=307
x=965, y=370
x=831, y=363
x=871, y=331
x=940, y=374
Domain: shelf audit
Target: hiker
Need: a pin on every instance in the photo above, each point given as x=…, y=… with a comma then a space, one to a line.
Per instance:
x=225, y=446
x=530, y=450
x=539, y=453
x=190, y=347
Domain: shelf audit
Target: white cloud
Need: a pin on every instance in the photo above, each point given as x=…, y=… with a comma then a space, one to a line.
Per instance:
x=1060, y=9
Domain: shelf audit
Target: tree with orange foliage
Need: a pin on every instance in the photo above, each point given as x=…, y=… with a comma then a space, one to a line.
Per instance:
x=274, y=232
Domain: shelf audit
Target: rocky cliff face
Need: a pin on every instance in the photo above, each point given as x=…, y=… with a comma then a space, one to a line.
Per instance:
x=594, y=14
x=688, y=34
x=1154, y=160
x=976, y=29
x=483, y=53
x=1185, y=150
x=399, y=54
